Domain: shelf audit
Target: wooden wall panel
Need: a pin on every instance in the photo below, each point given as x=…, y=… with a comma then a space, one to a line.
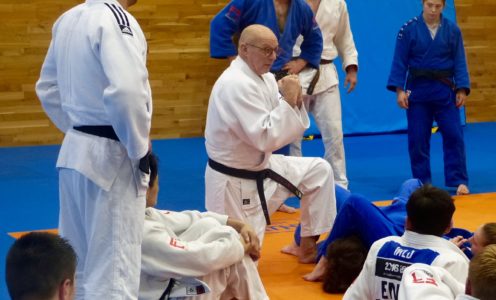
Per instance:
x=477, y=20
x=181, y=72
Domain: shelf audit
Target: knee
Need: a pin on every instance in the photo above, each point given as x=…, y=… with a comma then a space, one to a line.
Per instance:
x=324, y=167
x=207, y=223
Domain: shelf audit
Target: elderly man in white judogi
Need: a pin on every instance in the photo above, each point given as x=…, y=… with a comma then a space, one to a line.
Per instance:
x=323, y=100
x=247, y=120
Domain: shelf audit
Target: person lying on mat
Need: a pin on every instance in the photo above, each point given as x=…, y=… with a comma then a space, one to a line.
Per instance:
x=181, y=248
x=359, y=216
x=429, y=216
x=358, y=225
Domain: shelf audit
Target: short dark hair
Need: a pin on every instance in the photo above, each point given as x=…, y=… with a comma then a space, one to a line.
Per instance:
x=37, y=263
x=153, y=168
x=345, y=259
x=482, y=274
x=489, y=231
x=430, y=210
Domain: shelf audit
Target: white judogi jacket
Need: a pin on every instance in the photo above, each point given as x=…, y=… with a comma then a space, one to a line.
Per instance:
x=421, y=281
x=334, y=22
x=184, y=245
x=96, y=75
x=247, y=120
x=388, y=257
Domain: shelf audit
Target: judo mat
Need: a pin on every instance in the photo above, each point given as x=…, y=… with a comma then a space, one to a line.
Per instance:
x=376, y=164
x=282, y=274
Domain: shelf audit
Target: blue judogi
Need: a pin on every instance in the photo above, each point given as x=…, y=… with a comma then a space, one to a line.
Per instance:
x=358, y=216
x=432, y=70
x=238, y=14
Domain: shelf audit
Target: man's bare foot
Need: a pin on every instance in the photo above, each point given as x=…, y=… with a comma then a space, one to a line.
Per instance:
x=292, y=249
x=462, y=190
x=308, y=250
x=318, y=272
x=286, y=209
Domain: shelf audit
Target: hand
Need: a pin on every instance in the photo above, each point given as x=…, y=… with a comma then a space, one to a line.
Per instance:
x=402, y=98
x=458, y=241
x=461, y=97
x=250, y=241
x=351, y=78
x=295, y=66
x=290, y=89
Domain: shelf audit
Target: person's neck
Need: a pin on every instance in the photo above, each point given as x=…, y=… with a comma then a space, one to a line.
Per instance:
x=123, y=3
x=432, y=22
x=284, y=2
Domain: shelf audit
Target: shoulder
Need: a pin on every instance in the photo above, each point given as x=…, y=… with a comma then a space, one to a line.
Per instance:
x=408, y=26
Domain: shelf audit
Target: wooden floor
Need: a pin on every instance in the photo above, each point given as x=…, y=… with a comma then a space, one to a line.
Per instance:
x=282, y=274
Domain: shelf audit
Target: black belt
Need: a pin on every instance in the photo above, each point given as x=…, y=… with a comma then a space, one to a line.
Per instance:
x=105, y=131
x=259, y=176
x=280, y=74
x=445, y=76
x=326, y=61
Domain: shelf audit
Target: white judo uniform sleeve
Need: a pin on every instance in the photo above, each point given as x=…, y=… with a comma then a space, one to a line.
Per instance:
x=192, y=244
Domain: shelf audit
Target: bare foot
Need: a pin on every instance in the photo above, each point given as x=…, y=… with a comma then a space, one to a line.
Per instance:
x=308, y=250
x=286, y=209
x=317, y=273
x=462, y=190
x=292, y=249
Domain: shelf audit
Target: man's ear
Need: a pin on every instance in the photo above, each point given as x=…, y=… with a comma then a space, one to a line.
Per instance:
x=66, y=289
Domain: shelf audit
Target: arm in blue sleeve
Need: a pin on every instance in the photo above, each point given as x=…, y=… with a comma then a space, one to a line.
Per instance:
x=311, y=48
x=462, y=80
x=222, y=28
x=399, y=66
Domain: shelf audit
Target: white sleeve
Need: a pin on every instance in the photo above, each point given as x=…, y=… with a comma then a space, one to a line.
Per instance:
x=164, y=256
x=48, y=92
x=421, y=281
x=180, y=221
x=255, y=122
x=127, y=98
x=344, y=38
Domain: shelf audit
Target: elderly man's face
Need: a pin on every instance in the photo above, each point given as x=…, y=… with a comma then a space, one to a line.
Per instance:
x=261, y=54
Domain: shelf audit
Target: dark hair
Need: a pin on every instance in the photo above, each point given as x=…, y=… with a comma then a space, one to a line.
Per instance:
x=37, y=263
x=430, y=210
x=482, y=274
x=489, y=231
x=153, y=168
x=345, y=259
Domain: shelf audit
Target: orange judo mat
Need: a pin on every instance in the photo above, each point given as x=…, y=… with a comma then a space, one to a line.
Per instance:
x=282, y=274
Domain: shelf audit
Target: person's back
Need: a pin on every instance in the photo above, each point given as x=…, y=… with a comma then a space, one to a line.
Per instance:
x=429, y=214
x=40, y=266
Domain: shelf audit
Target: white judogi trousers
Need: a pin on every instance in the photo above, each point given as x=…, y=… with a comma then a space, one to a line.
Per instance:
x=326, y=110
x=313, y=177
x=105, y=229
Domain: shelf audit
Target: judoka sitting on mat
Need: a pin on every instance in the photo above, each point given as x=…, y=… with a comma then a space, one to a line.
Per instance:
x=179, y=247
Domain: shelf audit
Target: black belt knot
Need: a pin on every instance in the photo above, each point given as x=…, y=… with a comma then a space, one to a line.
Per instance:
x=259, y=176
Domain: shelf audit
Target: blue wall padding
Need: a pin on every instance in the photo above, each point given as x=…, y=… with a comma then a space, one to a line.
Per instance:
x=375, y=24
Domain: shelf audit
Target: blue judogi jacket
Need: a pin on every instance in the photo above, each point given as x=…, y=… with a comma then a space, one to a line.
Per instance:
x=238, y=14
x=415, y=49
